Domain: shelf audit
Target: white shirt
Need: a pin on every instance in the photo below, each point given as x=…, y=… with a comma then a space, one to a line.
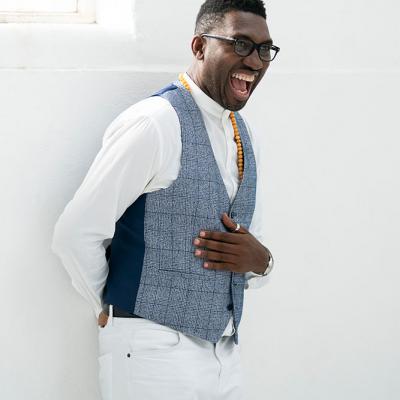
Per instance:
x=140, y=153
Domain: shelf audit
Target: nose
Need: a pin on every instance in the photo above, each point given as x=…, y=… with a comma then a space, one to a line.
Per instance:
x=254, y=61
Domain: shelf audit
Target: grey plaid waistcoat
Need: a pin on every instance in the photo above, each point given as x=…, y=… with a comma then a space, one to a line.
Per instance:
x=152, y=268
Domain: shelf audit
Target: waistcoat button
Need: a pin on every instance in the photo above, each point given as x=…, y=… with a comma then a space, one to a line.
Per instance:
x=233, y=214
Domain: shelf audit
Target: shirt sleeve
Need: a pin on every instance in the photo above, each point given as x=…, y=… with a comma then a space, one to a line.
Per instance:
x=127, y=161
x=257, y=226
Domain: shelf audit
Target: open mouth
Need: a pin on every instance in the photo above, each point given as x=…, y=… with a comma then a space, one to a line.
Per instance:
x=241, y=85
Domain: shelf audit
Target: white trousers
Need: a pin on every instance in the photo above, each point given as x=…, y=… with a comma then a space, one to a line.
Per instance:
x=143, y=360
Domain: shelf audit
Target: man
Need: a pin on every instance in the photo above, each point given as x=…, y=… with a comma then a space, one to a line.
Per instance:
x=175, y=187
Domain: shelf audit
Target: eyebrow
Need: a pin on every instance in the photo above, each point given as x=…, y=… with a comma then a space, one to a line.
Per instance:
x=241, y=36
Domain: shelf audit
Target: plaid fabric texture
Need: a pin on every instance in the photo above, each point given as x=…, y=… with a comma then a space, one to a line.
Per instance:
x=175, y=290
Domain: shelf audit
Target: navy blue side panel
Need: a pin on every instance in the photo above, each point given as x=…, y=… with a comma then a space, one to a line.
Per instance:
x=165, y=89
x=126, y=254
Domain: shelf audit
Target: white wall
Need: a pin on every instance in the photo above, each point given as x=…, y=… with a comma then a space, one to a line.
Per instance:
x=327, y=324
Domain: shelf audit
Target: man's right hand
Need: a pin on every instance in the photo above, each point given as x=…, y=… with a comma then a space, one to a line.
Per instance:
x=102, y=320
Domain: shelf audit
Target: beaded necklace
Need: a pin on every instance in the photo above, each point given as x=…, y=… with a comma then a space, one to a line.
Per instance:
x=240, y=160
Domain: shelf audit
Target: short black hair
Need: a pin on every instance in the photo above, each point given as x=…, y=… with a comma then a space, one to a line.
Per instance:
x=212, y=12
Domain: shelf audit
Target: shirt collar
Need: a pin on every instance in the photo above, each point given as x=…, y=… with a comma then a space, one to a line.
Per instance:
x=205, y=102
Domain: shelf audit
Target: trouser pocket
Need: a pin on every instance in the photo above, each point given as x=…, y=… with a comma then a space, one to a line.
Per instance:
x=154, y=340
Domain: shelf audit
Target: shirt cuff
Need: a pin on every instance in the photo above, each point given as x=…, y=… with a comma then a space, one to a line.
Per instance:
x=255, y=281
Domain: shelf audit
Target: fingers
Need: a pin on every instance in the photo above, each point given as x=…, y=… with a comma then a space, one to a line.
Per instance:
x=102, y=319
x=220, y=266
x=216, y=245
x=232, y=225
x=221, y=250
x=225, y=237
x=215, y=256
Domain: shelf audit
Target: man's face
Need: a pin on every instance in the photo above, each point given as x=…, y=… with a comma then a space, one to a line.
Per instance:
x=228, y=78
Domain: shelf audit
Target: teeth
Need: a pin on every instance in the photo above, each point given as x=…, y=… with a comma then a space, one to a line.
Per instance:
x=244, y=77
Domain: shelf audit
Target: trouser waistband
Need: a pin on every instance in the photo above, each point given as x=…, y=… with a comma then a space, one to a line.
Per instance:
x=119, y=312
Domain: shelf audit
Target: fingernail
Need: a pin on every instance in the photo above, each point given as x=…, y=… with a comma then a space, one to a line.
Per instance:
x=205, y=265
x=202, y=234
x=196, y=241
x=197, y=252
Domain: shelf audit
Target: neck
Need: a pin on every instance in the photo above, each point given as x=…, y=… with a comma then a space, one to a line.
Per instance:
x=194, y=75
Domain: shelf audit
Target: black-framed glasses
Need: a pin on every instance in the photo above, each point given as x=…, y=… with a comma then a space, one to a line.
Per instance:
x=244, y=47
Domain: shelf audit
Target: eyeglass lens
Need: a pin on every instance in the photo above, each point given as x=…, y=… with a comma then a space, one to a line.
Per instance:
x=244, y=48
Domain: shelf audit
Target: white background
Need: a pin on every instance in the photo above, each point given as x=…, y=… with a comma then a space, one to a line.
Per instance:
x=38, y=5
x=327, y=114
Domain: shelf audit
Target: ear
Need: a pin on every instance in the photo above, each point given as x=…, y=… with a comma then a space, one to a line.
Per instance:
x=198, y=44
